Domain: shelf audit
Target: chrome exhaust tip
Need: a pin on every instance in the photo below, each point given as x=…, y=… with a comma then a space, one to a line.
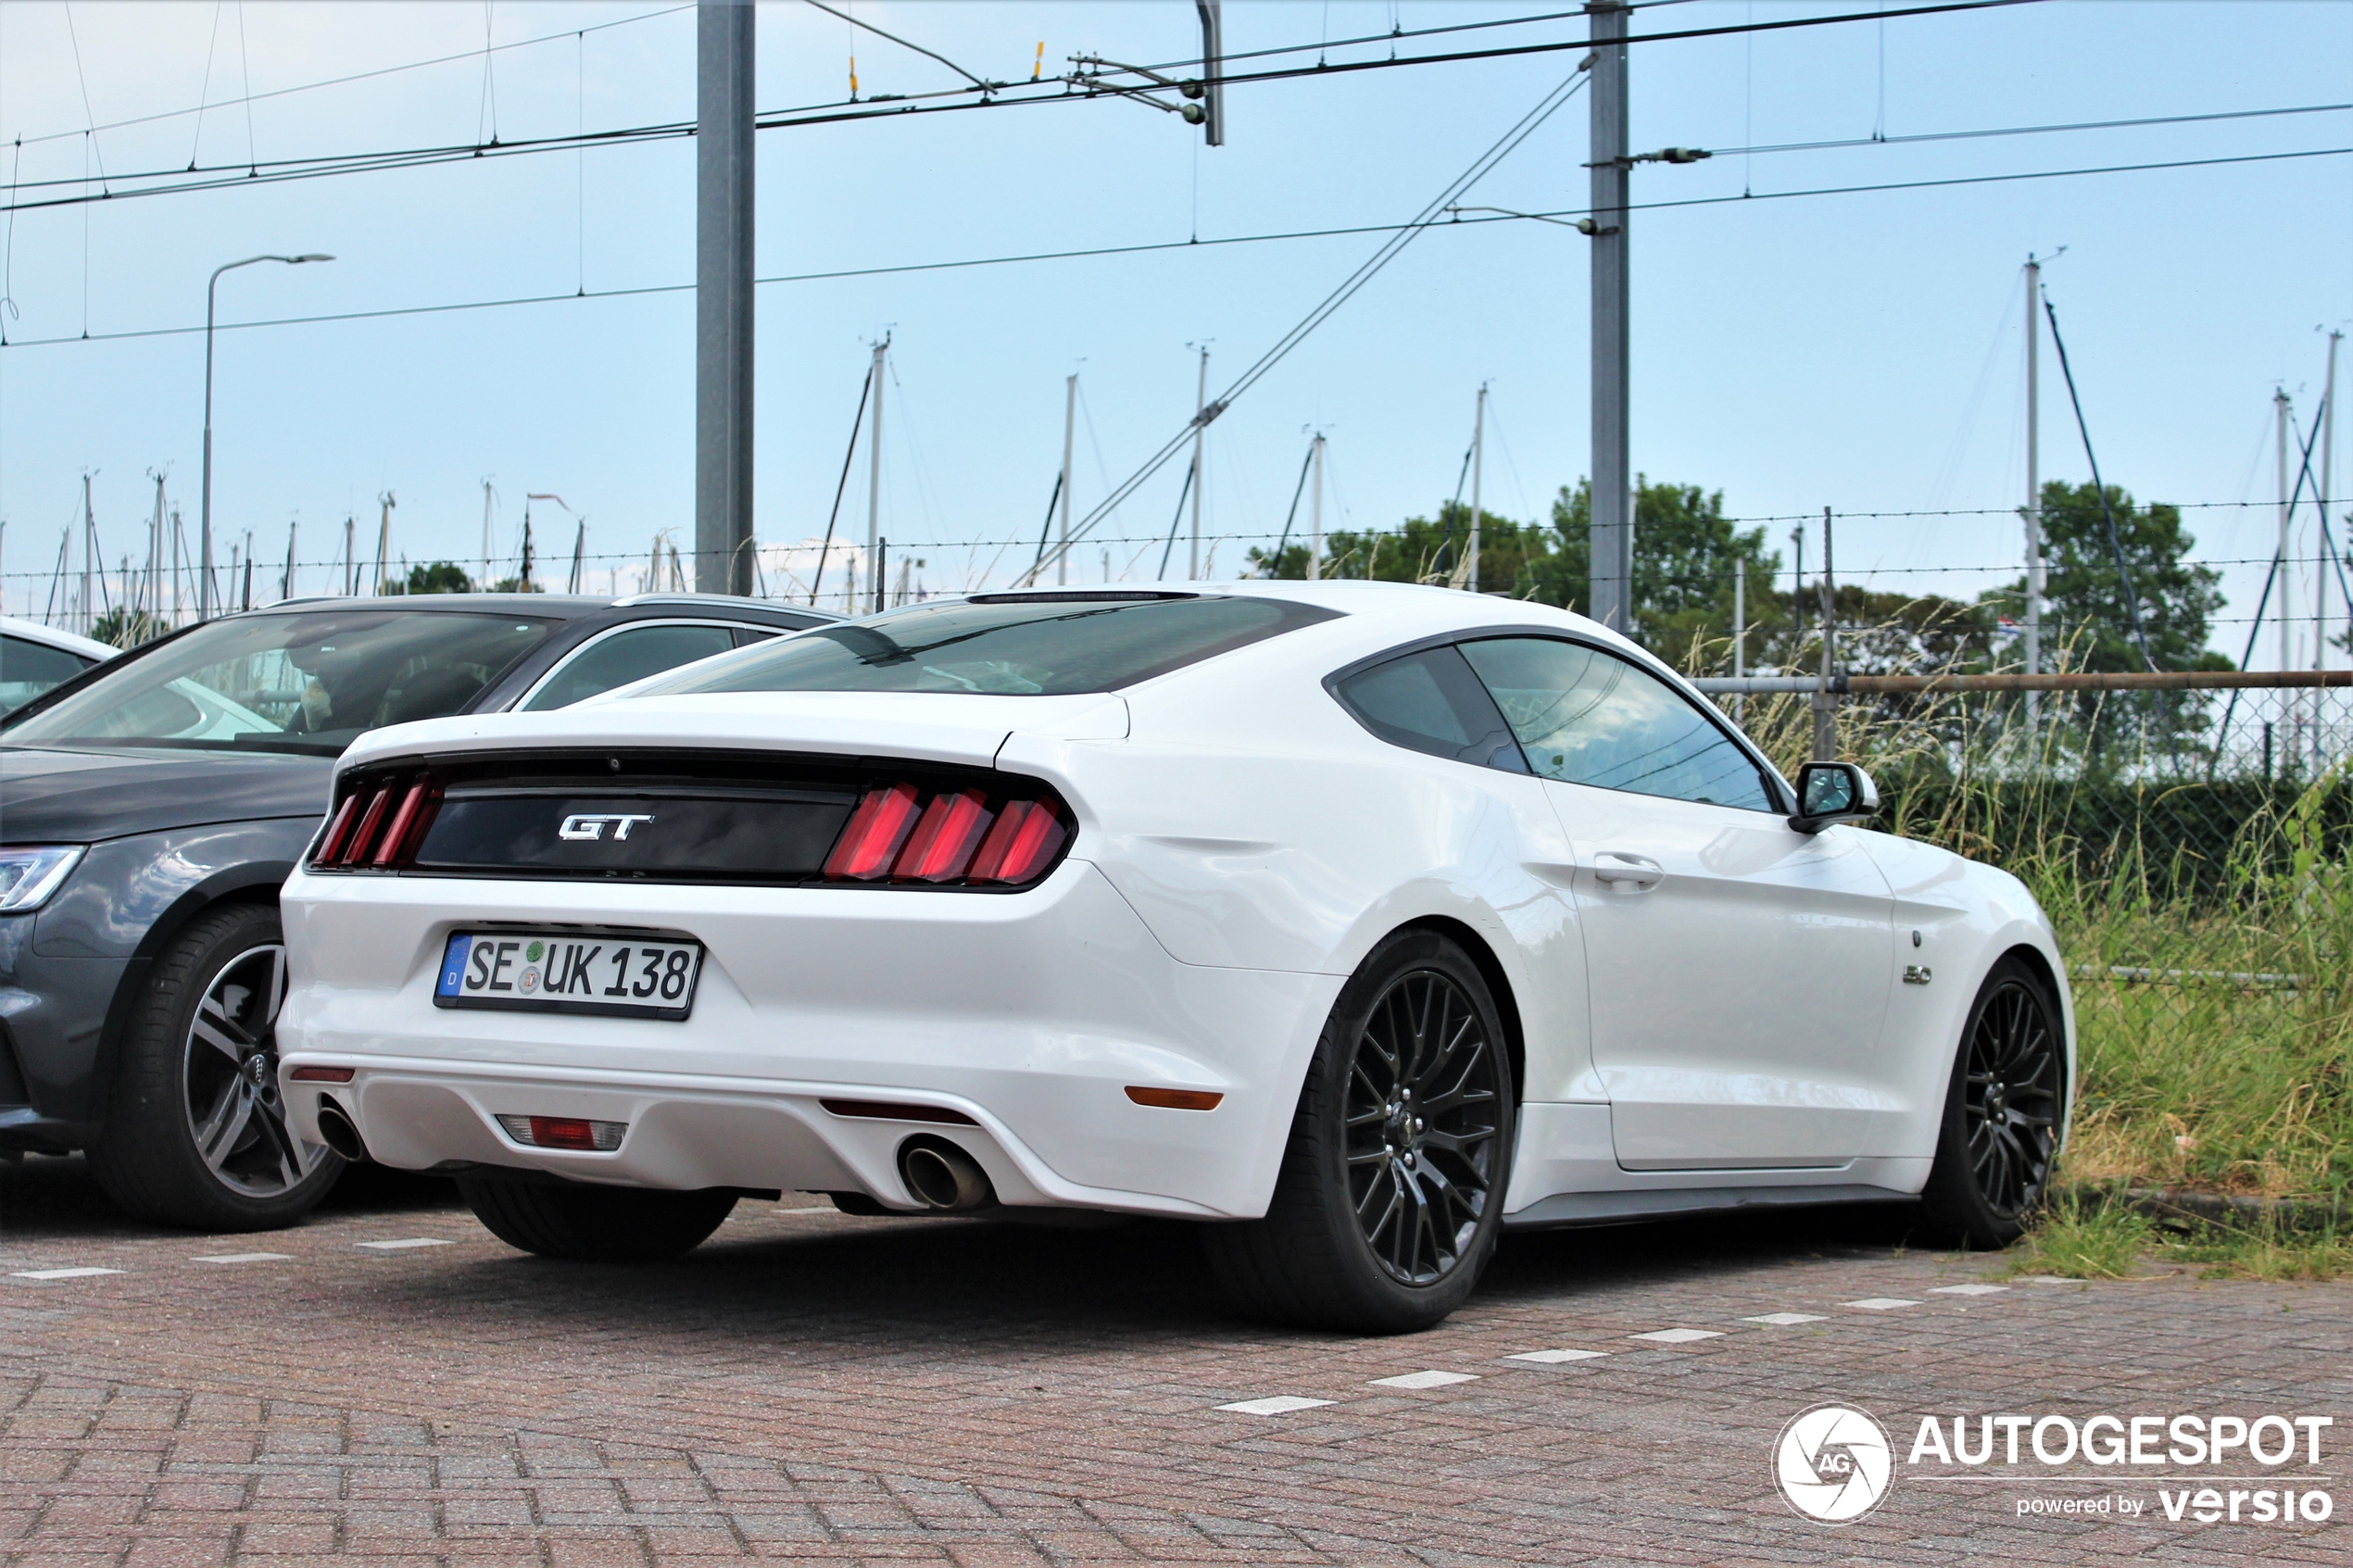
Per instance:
x=940, y=1176
x=337, y=1131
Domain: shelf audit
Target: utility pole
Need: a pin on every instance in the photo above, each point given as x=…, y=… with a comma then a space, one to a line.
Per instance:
x=89, y=545
x=2320, y=548
x=873, y=475
x=384, y=539
x=482, y=584
x=1070, y=428
x=1740, y=632
x=1201, y=479
x=2034, y=491
x=1825, y=717
x=286, y=583
x=155, y=552
x=1478, y=467
x=1612, y=522
x=1212, y=73
x=2287, y=570
x=724, y=50
x=350, y=565
x=1315, y=517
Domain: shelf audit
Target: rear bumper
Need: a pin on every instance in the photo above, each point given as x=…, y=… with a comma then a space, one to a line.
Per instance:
x=1030, y=1013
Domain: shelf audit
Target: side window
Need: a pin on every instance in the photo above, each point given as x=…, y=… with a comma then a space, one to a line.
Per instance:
x=625, y=656
x=28, y=668
x=1591, y=718
x=1429, y=701
x=746, y=635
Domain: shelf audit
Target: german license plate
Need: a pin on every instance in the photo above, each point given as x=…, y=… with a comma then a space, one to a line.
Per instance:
x=565, y=972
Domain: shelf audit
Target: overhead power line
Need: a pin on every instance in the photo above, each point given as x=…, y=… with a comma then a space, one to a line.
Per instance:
x=2028, y=130
x=1070, y=88
x=345, y=81
x=1453, y=221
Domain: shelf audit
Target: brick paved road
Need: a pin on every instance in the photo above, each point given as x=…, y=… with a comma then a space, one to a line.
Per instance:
x=812, y=1386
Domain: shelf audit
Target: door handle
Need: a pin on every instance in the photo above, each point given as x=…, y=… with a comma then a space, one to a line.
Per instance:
x=1635, y=872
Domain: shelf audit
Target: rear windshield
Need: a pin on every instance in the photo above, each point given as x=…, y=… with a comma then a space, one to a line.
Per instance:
x=307, y=681
x=1004, y=645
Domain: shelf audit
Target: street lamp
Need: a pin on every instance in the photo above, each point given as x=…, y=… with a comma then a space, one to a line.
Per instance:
x=204, y=575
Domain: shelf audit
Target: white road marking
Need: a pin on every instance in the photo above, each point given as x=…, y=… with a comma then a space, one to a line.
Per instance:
x=1555, y=1357
x=1783, y=1320
x=1279, y=1405
x=1424, y=1379
x=1677, y=1336
x=404, y=1243
x=246, y=1258
x=2051, y=1279
x=63, y=1273
x=1881, y=1303
x=1968, y=1289
x=812, y=1209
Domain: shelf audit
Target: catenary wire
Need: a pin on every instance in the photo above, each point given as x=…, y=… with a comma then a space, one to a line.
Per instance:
x=250, y=98
x=1147, y=247
x=1064, y=89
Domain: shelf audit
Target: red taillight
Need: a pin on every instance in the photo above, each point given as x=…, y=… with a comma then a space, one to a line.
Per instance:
x=947, y=836
x=379, y=827
x=402, y=821
x=877, y=830
x=338, y=829
x=942, y=844
x=1027, y=836
x=562, y=1132
x=363, y=838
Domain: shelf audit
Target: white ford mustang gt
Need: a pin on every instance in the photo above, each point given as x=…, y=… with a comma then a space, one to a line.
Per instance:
x=1359, y=920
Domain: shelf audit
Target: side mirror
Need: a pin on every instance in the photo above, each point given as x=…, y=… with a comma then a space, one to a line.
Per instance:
x=1834, y=792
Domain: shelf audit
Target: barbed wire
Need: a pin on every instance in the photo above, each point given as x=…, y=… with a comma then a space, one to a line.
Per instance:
x=558, y=564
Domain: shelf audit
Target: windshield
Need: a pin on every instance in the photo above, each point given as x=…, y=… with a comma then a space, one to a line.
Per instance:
x=307, y=682
x=1011, y=645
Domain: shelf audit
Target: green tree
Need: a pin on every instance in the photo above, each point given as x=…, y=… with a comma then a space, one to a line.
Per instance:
x=2086, y=611
x=1422, y=550
x=441, y=577
x=1684, y=551
x=127, y=628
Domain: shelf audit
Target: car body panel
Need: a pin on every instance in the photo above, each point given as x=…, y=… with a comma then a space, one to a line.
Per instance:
x=1738, y=1000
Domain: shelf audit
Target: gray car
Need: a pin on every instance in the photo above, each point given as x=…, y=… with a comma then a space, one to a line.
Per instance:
x=151, y=807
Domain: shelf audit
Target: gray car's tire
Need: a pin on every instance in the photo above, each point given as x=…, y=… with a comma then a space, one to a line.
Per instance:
x=195, y=1133
x=596, y=1224
x=2003, y=1106
x=1390, y=1193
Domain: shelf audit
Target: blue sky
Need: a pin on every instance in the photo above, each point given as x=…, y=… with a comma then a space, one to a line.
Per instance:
x=1858, y=351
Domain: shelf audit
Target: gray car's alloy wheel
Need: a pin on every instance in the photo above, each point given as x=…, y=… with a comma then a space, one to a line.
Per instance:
x=196, y=1131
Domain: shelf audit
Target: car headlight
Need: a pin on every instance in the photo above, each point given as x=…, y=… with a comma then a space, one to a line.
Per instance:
x=29, y=875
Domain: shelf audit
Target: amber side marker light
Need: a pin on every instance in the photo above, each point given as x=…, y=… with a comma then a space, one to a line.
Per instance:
x=320, y=1075
x=1175, y=1100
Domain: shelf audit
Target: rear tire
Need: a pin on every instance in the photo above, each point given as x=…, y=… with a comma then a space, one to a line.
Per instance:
x=196, y=1133
x=1390, y=1193
x=2003, y=1108
x=596, y=1224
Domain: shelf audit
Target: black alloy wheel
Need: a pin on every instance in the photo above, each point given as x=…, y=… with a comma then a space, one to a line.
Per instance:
x=1390, y=1197
x=2002, y=1112
x=197, y=1131
x=1422, y=1125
